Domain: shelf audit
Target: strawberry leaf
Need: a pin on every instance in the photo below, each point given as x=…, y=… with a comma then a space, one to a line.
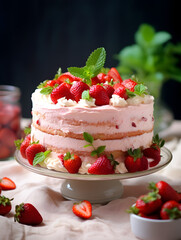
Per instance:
x=67, y=156
x=18, y=143
x=40, y=157
x=88, y=138
x=86, y=95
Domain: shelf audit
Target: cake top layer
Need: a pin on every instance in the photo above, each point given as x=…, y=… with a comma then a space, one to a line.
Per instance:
x=91, y=86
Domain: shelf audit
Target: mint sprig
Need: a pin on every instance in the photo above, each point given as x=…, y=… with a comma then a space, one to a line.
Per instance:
x=57, y=75
x=97, y=151
x=86, y=95
x=139, y=90
x=94, y=64
x=27, y=130
x=40, y=157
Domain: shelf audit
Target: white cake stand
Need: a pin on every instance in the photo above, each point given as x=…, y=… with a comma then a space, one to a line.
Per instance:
x=95, y=188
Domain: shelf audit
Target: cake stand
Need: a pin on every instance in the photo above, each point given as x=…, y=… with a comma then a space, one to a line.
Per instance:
x=95, y=188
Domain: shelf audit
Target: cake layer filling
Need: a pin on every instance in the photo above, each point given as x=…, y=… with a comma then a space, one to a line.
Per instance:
x=64, y=144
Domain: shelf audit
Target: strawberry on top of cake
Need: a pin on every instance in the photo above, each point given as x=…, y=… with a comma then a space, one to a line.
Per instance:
x=93, y=117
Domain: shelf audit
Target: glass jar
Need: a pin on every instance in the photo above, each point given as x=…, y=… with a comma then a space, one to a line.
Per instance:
x=10, y=116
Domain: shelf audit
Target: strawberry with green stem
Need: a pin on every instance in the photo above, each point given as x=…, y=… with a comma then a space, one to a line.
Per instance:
x=170, y=210
x=71, y=162
x=5, y=205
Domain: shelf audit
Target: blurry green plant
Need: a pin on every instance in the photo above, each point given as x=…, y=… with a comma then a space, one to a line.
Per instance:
x=153, y=59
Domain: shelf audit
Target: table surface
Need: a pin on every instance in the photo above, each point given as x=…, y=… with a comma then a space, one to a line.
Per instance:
x=108, y=221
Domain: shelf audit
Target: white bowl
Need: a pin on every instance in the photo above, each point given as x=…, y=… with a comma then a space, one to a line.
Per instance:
x=151, y=229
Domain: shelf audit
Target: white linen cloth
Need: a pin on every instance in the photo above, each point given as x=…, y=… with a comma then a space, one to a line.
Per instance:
x=108, y=222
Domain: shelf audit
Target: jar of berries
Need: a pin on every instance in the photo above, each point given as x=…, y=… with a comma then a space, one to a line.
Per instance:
x=10, y=116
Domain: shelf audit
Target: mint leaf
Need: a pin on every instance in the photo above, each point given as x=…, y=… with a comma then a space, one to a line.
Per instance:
x=100, y=149
x=140, y=89
x=87, y=145
x=97, y=59
x=57, y=75
x=88, y=137
x=43, y=84
x=77, y=72
x=40, y=157
x=18, y=143
x=161, y=38
x=86, y=95
x=27, y=130
x=93, y=153
x=47, y=90
x=130, y=93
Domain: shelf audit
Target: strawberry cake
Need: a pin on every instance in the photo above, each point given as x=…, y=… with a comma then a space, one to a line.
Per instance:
x=91, y=121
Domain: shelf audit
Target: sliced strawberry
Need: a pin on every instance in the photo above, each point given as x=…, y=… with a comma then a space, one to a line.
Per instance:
x=121, y=91
x=61, y=91
x=68, y=76
x=27, y=214
x=117, y=85
x=32, y=150
x=72, y=162
x=5, y=205
x=61, y=156
x=24, y=145
x=7, y=184
x=77, y=89
x=109, y=89
x=102, y=165
x=114, y=74
x=82, y=209
x=100, y=95
x=129, y=84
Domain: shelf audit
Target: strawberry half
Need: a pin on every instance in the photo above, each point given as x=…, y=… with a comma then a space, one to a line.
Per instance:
x=114, y=74
x=82, y=209
x=63, y=90
x=72, y=162
x=5, y=205
x=103, y=165
x=77, y=89
x=32, y=150
x=27, y=214
x=24, y=145
x=121, y=91
x=7, y=184
x=100, y=95
x=129, y=84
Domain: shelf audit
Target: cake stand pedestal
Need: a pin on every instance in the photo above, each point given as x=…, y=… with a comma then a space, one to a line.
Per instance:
x=94, y=191
x=95, y=188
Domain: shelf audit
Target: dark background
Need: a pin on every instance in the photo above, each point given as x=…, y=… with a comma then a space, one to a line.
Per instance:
x=39, y=36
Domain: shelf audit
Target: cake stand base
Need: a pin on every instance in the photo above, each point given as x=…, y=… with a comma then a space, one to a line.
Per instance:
x=93, y=191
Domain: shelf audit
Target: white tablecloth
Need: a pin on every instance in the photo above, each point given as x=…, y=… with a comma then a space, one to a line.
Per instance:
x=110, y=221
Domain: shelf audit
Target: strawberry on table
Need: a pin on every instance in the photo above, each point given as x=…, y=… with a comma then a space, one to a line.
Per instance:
x=149, y=203
x=103, y=165
x=5, y=205
x=7, y=184
x=27, y=214
x=72, y=162
x=166, y=191
x=170, y=210
x=77, y=89
x=32, y=150
x=99, y=93
x=135, y=161
x=82, y=209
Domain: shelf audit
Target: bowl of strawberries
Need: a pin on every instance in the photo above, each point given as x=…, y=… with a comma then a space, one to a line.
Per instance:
x=157, y=214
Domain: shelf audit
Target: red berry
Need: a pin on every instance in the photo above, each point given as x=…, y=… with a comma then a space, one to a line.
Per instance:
x=77, y=89
x=129, y=84
x=170, y=210
x=27, y=214
x=117, y=85
x=102, y=165
x=100, y=95
x=114, y=74
x=95, y=81
x=5, y=205
x=72, y=163
x=32, y=150
x=68, y=76
x=154, y=154
x=24, y=145
x=61, y=91
x=109, y=89
x=82, y=209
x=121, y=91
x=7, y=184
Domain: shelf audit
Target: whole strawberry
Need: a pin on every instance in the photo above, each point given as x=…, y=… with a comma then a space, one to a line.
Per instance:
x=121, y=91
x=109, y=89
x=61, y=91
x=5, y=205
x=166, y=191
x=77, y=89
x=27, y=214
x=129, y=84
x=72, y=162
x=135, y=161
x=149, y=203
x=103, y=165
x=32, y=150
x=82, y=209
x=170, y=210
x=100, y=95
x=24, y=145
